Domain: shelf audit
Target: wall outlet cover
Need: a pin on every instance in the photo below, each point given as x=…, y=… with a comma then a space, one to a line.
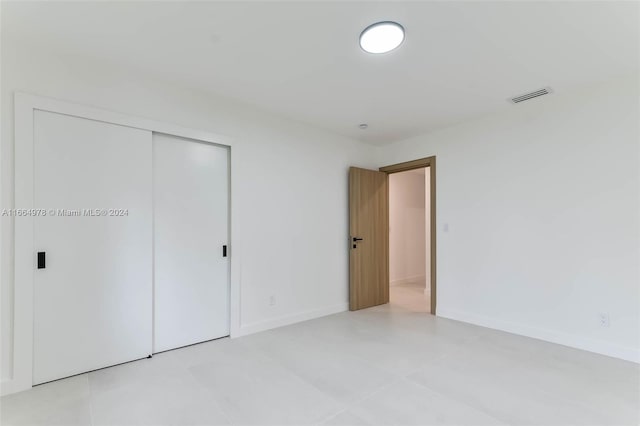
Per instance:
x=603, y=317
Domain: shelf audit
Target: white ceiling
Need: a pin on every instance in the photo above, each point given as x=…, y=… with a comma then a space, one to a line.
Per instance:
x=302, y=60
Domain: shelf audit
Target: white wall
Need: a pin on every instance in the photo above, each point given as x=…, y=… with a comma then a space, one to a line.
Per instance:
x=289, y=183
x=542, y=203
x=407, y=248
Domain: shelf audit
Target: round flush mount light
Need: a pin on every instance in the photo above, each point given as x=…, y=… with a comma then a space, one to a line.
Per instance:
x=363, y=126
x=382, y=37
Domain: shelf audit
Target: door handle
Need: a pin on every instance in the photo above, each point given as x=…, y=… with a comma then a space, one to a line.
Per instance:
x=356, y=239
x=42, y=260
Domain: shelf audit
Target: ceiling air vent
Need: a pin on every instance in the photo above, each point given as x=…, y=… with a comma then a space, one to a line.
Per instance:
x=531, y=95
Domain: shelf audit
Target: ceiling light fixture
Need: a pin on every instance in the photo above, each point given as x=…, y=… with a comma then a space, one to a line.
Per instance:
x=382, y=37
x=363, y=126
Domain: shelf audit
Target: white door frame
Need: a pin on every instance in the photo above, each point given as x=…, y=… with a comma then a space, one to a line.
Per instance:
x=24, y=247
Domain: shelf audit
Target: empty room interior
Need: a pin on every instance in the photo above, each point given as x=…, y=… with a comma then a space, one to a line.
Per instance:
x=320, y=213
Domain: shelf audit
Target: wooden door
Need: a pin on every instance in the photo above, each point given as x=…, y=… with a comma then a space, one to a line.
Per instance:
x=369, y=238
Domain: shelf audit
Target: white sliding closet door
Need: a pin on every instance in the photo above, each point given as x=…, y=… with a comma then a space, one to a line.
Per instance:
x=93, y=298
x=191, y=275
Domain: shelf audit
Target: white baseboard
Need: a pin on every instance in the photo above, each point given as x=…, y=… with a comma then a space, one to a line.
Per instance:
x=268, y=324
x=584, y=343
x=408, y=280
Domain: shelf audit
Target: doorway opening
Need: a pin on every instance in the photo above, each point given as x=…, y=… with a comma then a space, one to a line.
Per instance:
x=409, y=233
x=409, y=239
x=369, y=258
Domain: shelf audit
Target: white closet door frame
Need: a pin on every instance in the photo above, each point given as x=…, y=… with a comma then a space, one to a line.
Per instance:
x=25, y=254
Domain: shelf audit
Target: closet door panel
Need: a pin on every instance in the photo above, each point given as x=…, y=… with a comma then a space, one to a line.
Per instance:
x=93, y=298
x=191, y=275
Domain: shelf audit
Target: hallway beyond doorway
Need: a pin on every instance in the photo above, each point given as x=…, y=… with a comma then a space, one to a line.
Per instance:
x=409, y=240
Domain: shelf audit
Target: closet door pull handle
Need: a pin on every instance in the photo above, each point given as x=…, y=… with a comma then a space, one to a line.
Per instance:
x=42, y=260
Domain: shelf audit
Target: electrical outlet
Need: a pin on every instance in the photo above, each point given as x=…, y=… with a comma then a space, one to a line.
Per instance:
x=272, y=300
x=603, y=317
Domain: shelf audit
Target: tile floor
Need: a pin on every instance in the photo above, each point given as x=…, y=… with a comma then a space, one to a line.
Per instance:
x=384, y=365
x=410, y=296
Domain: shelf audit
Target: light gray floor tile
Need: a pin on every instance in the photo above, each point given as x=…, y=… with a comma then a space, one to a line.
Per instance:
x=151, y=392
x=63, y=402
x=140, y=371
x=383, y=365
x=253, y=389
x=172, y=403
x=344, y=377
x=405, y=403
x=345, y=418
x=524, y=392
